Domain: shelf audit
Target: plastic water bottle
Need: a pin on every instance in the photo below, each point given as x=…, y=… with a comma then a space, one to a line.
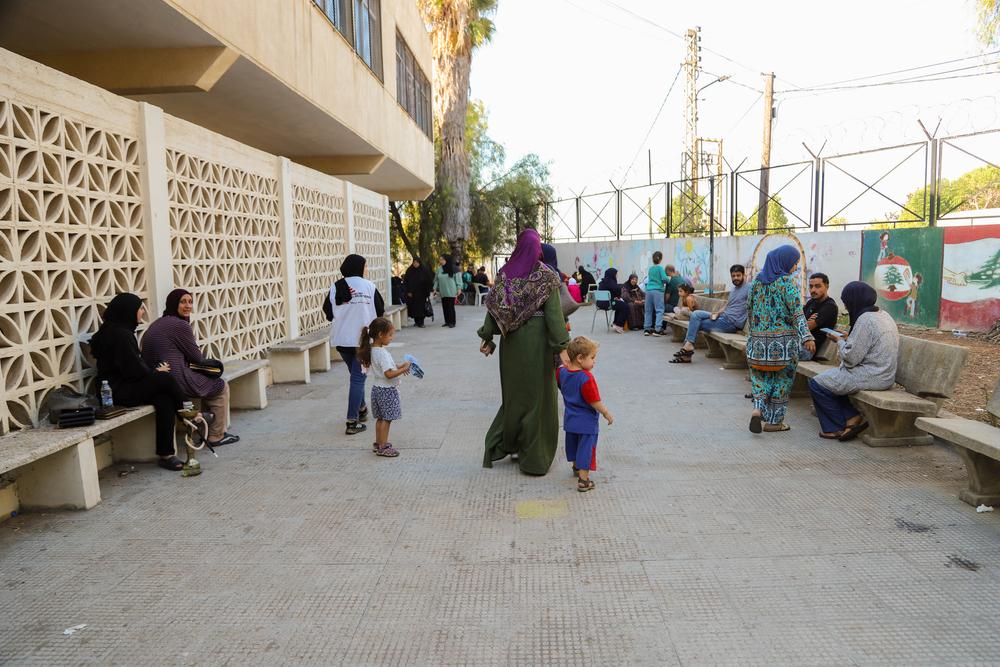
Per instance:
x=106, y=400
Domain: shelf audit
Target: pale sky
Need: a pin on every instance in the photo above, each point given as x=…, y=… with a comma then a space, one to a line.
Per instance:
x=579, y=81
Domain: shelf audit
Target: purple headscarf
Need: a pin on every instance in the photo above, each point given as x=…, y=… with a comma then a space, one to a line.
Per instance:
x=173, y=304
x=526, y=255
x=522, y=286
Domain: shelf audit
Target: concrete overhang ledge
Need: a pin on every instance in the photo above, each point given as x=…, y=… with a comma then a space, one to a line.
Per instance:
x=341, y=165
x=145, y=71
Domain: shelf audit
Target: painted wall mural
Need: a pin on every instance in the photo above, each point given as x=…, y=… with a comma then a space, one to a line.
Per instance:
x=970, y=290
x=947, y=277
x=904, y=266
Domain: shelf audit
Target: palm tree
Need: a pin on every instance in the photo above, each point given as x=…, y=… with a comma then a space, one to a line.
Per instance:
x=458, y=27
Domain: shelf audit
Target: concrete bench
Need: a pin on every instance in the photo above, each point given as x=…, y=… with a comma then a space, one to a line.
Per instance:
x=294, y=360
x=978, y=443
x=53, y=468
x=733, y=347
x=679, y=325
x=927, y=373
x=247, y=383
x=396, y=315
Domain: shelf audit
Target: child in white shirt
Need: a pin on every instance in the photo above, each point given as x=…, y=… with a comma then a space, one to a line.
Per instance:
x=374, y=355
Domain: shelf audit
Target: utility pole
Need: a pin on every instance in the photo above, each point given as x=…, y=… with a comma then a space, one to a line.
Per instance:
x=689, y=159
x=765, y=156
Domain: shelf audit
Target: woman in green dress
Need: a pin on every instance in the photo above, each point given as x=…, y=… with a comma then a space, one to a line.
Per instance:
x=524, y=309
x=777, y=332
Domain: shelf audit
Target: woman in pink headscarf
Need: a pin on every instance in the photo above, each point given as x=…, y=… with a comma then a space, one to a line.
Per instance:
x=524, y=309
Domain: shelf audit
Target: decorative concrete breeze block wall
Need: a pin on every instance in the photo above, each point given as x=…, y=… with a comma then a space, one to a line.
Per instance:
x=101, y=195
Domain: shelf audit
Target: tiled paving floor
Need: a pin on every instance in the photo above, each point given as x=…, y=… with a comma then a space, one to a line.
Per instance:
x=702, y=544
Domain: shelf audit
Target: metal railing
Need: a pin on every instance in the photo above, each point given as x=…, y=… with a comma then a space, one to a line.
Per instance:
x=901, y=185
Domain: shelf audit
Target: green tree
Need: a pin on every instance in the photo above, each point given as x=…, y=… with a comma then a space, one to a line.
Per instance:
x=988, y=22
x=457, y=28
x=777, y=220
x=502, y=201
x=973, y=190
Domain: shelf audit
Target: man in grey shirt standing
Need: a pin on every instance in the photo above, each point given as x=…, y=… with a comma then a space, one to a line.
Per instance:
x=732, y=318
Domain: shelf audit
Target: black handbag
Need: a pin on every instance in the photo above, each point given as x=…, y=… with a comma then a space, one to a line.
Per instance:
x=212, y=368
x=68, y=407
x=428, y=309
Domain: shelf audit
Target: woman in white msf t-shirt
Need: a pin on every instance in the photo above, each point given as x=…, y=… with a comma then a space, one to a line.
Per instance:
x=355, y=303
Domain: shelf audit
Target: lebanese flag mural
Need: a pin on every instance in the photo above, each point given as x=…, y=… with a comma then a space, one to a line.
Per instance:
x=893, y=277
x=970, y=285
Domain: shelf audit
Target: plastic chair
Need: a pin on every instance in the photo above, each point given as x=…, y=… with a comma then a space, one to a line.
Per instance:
x=601, y=295
x=591, y=288
x=481, y=292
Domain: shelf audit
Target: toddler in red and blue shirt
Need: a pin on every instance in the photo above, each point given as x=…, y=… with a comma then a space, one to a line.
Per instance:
x=582, y=400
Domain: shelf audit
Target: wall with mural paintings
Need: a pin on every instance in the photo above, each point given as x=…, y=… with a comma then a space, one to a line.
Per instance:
x=947, y=277
x=970, y=287
x=904, y=266
x=838, y=254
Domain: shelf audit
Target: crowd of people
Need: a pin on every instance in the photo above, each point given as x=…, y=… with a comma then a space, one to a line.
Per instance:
x=528, y=308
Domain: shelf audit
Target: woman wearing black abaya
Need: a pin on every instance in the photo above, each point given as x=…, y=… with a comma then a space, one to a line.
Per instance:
x=132, y=381
x=417, y=287
x=586, y=280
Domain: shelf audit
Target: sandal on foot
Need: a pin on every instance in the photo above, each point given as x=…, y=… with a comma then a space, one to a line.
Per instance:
x=388, y=450
x=585, y=485
x=355, y=427
x=831, y=436
x=227, y=439
x=684, y=353
x=851, y=432
x=777, y=428
x=170, y=463
x=683, y=359
x=755, y=424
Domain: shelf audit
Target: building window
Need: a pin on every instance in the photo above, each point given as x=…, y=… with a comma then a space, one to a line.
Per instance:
x=338, y=11
x=368, y=33
x=413, y=90
x=359, y=21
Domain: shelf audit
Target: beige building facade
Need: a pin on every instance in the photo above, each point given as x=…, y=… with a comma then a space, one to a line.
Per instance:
x=236, y=149
x=317, y=81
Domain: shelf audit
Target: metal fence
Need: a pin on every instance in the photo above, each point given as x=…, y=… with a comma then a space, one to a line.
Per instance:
x=913, y=184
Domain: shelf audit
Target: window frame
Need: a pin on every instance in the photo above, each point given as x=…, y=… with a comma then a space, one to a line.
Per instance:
x=360, y=35
x=413, y=88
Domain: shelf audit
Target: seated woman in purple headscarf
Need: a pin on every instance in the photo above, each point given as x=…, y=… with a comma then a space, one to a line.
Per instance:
x=171, y=339
x=525, y=310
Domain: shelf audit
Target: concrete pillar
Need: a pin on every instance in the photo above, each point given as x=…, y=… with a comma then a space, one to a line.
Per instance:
x=388, y=254
x=135, y=441
x=286, y=213
x=349, y=209
x=155, y=206
x=64, y=480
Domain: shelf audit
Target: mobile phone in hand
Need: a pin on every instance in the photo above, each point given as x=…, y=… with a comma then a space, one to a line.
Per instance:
x=832, y=332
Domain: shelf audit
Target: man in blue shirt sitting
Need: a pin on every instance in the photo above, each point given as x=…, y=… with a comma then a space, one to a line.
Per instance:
x=732, y=318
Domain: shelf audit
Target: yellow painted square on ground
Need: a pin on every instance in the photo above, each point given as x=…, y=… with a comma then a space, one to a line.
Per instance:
x=541, y=509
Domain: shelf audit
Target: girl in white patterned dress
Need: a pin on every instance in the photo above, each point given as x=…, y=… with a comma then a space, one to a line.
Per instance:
x=374, y=355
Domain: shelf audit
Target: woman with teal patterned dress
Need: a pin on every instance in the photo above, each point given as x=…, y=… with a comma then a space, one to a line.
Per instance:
x=777, y=332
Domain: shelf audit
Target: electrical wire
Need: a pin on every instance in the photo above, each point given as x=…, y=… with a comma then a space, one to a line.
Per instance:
x=734, y=82
x=903, y=71
x=678, y=35
x=655, y=119
x=925, y=79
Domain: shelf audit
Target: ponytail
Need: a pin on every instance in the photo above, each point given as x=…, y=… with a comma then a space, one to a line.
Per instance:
x=365, y=348
x=378, y=327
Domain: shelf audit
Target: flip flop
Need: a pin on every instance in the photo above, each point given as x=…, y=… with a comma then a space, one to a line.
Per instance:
x=755, y=424
x=853, y=431
x=825, y=436
x=171, y=463
x=781, y=428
